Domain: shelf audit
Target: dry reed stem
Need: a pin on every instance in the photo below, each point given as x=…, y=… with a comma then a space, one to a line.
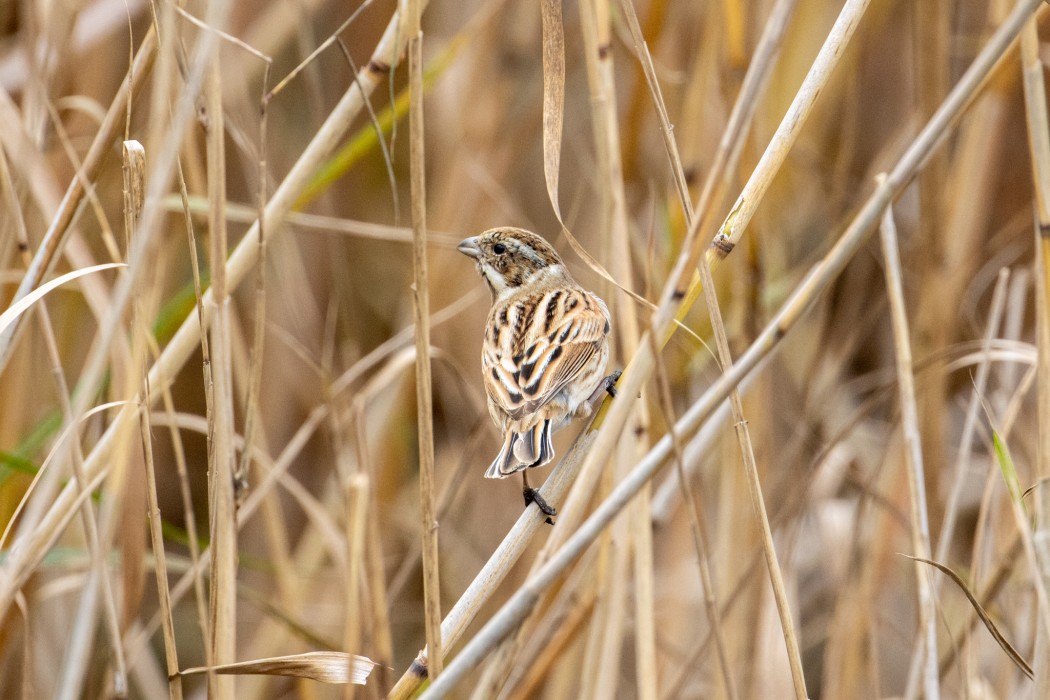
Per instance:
x=669, y=495
x=106, y=234
x=357, y=488
x=553, y=108
x=755, y=490
x=645, y=646
x=317, y=513
x=970, y=186
x=281, y=611
x=729, y=147
x=34, y=545
x=331, y=39
x=362, y=401
x=275, y=474
x=643, y=507
x=920, y=524
x=801, y=106
x=285, y=565
x=222, y=511
x=911, y=161
x=134, y=188
x=516, y=652
x=732, y=138
x=421, y=309
x=645, y=59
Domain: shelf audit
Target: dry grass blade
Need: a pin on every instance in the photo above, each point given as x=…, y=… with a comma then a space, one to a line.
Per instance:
x=1038, y=123
x=991, y=590
x=322, y=666
x=553, y=96
x=242, y=214
x=1023, y=521
x=920, y=524
x=553, y=109
x=1016, y=657
x=11, y=315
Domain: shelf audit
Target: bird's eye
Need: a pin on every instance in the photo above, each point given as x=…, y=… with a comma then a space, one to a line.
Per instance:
x=499, y=249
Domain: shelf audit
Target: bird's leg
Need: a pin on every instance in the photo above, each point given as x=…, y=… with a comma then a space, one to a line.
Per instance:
x=533, y=496
x=605, y=386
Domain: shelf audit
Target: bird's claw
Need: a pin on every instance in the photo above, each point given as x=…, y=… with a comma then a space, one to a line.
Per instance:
x=533, y=496
x=610, y=383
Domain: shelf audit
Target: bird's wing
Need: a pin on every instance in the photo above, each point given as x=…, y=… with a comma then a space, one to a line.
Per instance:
x=543, y=343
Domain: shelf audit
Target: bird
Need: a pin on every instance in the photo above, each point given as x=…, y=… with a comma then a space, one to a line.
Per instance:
x=545, y=348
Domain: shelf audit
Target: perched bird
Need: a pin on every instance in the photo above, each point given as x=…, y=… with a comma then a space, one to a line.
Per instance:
x=545, y=348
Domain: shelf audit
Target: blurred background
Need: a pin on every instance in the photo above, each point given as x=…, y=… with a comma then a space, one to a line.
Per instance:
x=337, y=387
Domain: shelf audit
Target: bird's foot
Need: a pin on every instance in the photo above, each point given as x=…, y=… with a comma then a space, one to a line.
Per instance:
x=533, y=496
x=605, y=386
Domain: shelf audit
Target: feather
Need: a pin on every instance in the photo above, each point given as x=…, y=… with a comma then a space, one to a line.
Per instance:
x=531, y=448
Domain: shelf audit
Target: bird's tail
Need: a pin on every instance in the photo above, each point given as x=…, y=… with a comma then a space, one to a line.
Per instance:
x=531, y=448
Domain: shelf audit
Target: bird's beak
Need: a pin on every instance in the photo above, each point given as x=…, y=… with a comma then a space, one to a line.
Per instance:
x=469, y=247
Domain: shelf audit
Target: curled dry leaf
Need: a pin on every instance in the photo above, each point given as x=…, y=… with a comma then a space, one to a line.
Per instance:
x=323, y=666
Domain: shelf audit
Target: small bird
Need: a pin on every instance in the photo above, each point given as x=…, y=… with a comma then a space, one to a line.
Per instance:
x=545, y=349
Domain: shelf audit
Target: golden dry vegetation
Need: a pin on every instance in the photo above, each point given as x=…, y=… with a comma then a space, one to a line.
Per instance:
x=859, y=373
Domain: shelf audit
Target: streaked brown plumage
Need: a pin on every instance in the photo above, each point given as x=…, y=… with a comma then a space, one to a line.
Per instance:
x=545, y=347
